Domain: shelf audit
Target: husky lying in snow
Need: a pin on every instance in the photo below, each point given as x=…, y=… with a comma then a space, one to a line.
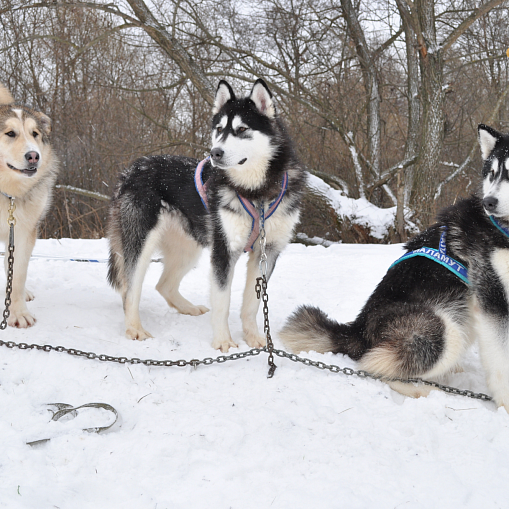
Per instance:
x=28, y=170
x=424, y=315
x=179, y=205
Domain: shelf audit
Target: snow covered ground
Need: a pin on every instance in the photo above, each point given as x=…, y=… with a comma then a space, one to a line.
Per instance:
x=224, y=436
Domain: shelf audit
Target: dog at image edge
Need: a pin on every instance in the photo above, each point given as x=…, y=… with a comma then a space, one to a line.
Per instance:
x=28, y=170
x=179, y=205
x=422, y=316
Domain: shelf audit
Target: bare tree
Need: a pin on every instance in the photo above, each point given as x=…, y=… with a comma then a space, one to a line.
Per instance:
x=368, y=111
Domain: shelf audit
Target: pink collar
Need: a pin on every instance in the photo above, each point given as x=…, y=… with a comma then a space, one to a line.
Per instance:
x=200, y=186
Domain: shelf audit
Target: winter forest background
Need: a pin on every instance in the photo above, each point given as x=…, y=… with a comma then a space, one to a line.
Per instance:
x=382, y=98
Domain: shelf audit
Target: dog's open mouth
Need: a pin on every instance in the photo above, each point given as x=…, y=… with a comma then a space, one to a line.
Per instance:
x=29, y=172
x=217, y=164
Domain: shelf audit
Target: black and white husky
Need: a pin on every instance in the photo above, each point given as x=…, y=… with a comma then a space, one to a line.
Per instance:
x=451, y=287
x=178, y=205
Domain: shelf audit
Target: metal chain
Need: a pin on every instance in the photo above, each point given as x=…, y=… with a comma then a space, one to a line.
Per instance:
x=261, y=289
x=11, y=220
x=241, y=355
x=364, y=374
x=125, y=360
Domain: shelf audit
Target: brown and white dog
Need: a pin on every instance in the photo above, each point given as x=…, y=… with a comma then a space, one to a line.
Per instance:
x=28, y=170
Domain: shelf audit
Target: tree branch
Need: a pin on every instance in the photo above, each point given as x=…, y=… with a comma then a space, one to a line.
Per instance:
x=474, y=148
x=466, y=23
x=83, y=192
x=387, y=43
x=391, y=172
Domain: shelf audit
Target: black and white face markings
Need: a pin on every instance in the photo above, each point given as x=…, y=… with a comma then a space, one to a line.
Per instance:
x=228, y=140
x=495, y=153
x=242, y=134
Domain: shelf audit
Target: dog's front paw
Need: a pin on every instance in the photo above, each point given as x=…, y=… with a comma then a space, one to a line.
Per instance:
x=502, y=401
x=255, y=339
x=224, y=344
x=20, y=319
x=29, y=295
x=194, y=310
x=138, y=333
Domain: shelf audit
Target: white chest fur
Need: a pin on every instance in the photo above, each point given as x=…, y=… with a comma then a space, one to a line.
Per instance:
x=500, y=262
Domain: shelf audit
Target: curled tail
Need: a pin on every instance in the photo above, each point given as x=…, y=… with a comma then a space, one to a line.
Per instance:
x=309, y=328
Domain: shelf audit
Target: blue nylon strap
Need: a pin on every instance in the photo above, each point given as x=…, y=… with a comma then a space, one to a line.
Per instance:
x=277, y=201
x=441, y=245
x=439, y=256
x=271, y=209
x=501, y=228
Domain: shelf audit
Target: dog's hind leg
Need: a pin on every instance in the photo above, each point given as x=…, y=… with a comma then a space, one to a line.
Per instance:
x=411, y=390
x=180, y=252
x=250, y=302
x=19, y=314
x=135, y=274
x=425, y=342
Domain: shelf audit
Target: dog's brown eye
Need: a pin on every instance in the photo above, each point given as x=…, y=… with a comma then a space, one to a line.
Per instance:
x=35, y=134
x=11, y=134
x=242, y=129
x=219, y=129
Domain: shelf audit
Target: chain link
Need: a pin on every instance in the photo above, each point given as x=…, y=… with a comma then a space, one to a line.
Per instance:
x=11, y=220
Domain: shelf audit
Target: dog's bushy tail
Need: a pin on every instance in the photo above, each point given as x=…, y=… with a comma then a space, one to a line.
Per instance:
x=116, y=263
x=309, y=328
x=5, y=96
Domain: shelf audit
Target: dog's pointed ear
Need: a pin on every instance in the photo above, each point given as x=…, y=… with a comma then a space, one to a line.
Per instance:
x=262, y=97
x=5, y=96
x=44, y=122
x=488, y=138
x=224, y=93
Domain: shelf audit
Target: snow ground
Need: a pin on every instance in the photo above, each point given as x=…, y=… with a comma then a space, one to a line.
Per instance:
x=224, y=436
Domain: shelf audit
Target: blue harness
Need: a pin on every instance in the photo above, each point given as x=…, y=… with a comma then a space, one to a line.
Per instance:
x=440, y=256
x=501, y=228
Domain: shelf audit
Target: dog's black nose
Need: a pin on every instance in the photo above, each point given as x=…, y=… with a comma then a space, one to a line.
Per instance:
x=490, y=203
x=216, y=153
x=32, y=157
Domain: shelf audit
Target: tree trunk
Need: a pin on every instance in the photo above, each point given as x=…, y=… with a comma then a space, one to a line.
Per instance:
x=426, y=176
x=406, y=177
x=413, y=101
x=400, y=207
x=370, y=78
